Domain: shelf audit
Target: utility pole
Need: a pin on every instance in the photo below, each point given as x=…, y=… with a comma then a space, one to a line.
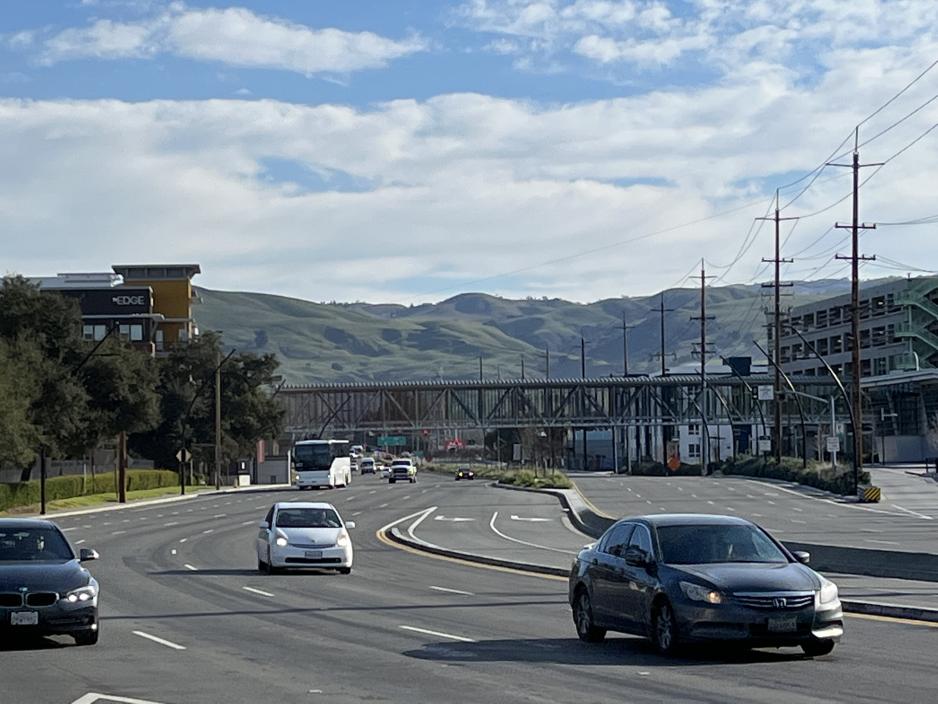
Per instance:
x=855, y=259
x=625, y=345
x=480, y=367
x=547, y=362
x=777, y=332
x=522, y=366
x=583, y=376
x=703, y=318
x=664, y=370
x=218, y=425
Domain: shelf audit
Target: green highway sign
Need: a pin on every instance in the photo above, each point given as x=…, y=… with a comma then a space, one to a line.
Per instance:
x=391, y=441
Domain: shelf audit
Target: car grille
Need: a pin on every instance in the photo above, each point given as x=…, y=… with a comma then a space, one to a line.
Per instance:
x=312, y=546
x=781, y=601
x=41, y=599
x=11, y=600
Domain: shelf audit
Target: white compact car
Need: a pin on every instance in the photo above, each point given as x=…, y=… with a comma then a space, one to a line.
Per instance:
x=296, y=534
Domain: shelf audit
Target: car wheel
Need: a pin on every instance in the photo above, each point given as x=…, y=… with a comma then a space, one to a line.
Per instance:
x=664, y=629
x=390, y=481
x=816, y=648
x=414, y=480
x=89, y=637
x=344, y=570
x=261, y=566
x=583, y=619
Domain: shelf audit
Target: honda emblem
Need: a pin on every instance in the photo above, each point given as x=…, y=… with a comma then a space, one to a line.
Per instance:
x=780, y=602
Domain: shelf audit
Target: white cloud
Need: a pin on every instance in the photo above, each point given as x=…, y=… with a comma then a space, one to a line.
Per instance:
x=458, y=187
x=233, y=36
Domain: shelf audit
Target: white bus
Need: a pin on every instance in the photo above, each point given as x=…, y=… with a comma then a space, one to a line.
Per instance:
x=322, y=463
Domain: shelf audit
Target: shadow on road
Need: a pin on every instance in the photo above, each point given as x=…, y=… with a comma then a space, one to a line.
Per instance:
x=8, y=644
x=616, y=651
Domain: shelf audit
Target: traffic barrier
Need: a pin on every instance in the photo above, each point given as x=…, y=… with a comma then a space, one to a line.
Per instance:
x=869, y=494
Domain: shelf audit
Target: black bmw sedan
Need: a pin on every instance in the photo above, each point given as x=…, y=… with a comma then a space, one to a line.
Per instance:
x=44, y=590
x=686, y=577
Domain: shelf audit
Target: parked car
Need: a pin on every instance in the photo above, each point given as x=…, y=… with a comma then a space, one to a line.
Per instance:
x=686, y=577
x=44, y=589
x=403, y=470
x=295, y=534
x=464, y=473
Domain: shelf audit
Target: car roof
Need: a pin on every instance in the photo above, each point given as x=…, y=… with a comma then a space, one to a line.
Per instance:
x=690, y=519
x=303, y=504
x=20, y=523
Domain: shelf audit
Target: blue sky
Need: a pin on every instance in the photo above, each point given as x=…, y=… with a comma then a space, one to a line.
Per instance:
x=521, y=147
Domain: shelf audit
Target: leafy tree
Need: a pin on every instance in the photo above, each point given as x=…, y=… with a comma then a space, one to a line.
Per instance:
x=19, y=437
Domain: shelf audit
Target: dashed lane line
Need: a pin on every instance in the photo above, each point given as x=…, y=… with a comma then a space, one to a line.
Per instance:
x=438, y=634
x=257, y=591
x=191, y=568
x=450, y=591
x=161, y=641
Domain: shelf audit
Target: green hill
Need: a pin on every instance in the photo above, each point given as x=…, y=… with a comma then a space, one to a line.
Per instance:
x=330, y=342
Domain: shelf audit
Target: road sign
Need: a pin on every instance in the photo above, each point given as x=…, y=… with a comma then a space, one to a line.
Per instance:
x=765, y=445
x=766, y=393
x=833, y=444
x=391, y=441
x=183, y=455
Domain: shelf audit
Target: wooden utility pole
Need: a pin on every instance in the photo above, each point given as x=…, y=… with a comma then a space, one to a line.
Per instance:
x=583, y=376
x=218, y=425
x=703, y=318
x=661, y=310
x=777, y=332
x=855, y=259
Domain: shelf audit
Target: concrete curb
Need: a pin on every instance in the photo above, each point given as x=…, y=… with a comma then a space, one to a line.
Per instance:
x=157, y=502
x=870, y=608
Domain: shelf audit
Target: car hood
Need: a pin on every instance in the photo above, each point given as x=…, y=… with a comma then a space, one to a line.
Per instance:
x=755, y=577
x=43, y=576
x=311, y=536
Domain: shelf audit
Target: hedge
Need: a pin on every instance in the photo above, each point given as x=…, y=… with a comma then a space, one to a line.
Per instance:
x=656, y=469
x=27, y=493
x=822, y=476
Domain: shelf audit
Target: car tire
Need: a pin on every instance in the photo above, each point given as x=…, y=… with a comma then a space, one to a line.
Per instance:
x=586, y=630
x=261, y=566
x=664, y=629
x=390, y=481
x=816, y=648
x=89, y=637
x=414, y=480
x=344, y=570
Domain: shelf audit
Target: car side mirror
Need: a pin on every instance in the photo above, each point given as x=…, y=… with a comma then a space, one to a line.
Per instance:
x=350, y=524
x=263, y=524
x=636, y=557
x=803, y=557
x=86, y=554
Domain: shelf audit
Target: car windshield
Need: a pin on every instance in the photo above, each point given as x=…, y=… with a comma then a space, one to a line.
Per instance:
x=308, y=518
x=312, y=456
x=707, y=544
x=22, y=544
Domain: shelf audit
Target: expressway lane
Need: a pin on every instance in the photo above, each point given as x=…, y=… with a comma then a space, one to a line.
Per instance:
x=400, y=628
x=791, y=512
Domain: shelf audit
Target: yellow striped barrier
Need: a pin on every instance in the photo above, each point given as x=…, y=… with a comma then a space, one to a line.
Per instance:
x=869, y=494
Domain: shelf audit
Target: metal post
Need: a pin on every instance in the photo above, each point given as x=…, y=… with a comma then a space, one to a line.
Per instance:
x=122, y=468
x=833, y=433
x=218, y=426
x=42, y=481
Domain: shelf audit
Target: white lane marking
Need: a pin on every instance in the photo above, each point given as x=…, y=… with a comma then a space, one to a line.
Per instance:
x=680, y=488
x=524, y=542
x=710, y=502
x=351, y=498
x=206, y=532
x=118, y=532
x=730, y=508
x=174, y=513
x=357, y=513
x=913, y=513
x=182, y=540
x=66, y=530
x=731, y=488
x=171, y=523
x=799, y=510
x=126, y=520
x=373, y=491
x=451, y=591
x=870, y=530
x=383, y=506
x=757, y=515
x=770, y=503
x=413, y=526
x=881, y=542
x=438, y=634
x=530, y=520
x=79, y=542
x=454, y=519
x=219, y=515
x=173, y=551
x=106, y=523
x=693, y=496
x=161, y=641
x=638, y=496
x=837, y=503
x=257, y=591
x=405, y=498
x=159, y=515
x=190, y=567
x=795, y=520
x=248, y=523
x=94, y=697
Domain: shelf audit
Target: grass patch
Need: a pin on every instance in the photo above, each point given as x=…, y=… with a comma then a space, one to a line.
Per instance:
x=98, y=500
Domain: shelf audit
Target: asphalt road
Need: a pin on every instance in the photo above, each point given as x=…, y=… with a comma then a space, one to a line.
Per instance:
x=401, y=628
x=790, y=511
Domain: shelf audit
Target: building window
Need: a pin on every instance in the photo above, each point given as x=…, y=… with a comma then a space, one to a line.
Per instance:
x=693, y=429
x=158, y=338
x=87, y=332
x=836, y=316
x=99, y=332
x=136, y=333
x=693, y=450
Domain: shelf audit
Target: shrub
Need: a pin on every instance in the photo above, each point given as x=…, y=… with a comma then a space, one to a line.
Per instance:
x=27, y=493
x=821, y=476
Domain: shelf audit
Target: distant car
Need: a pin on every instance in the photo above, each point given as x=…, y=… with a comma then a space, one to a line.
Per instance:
x=465, y=473
x=686, y=577
x=44, y=590
x=403, y=470
x=366, y=465
x=296, y=534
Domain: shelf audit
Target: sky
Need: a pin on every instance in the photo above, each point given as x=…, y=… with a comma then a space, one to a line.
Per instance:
x=410, y=150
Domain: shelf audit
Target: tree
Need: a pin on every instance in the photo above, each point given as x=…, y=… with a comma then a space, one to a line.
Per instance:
x=19, y=437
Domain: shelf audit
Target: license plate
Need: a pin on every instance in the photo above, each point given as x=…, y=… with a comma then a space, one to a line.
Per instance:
x=314, y=554
x=783, y=625
x=24, y=618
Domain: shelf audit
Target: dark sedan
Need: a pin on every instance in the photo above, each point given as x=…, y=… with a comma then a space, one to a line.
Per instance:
x=465, y=473
x=44, y=590
x=680, y=578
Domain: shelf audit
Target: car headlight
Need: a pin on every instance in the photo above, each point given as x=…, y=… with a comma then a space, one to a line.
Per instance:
x=281, y=541
x=696, y=592
x=81, y=595
x=828, y=592
x=343, y=540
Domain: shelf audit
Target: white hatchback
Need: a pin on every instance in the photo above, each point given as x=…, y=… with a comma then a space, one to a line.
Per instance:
x=296, y=534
